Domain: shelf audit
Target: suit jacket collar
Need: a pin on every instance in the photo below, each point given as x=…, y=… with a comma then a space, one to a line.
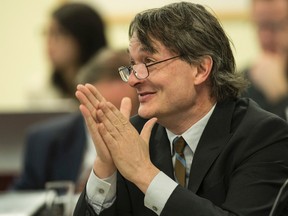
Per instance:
x=215, y=135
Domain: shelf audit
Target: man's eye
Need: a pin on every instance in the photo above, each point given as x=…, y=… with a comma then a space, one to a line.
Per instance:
x=149, y=61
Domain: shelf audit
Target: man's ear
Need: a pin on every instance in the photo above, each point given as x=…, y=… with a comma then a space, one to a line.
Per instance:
x=203, y=70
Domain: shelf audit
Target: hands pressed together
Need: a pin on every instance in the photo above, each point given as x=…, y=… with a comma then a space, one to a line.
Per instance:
x=118, y=144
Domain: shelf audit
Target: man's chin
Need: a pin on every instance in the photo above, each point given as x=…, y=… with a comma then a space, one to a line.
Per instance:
x=145, y=113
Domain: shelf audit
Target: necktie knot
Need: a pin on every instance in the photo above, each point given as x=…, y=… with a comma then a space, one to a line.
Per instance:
x=179, y=145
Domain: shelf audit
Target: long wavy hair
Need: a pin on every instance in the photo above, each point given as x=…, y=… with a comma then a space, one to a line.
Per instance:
x=86, y=26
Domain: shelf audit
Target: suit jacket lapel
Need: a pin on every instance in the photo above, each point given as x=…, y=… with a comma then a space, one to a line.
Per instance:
x=160, y=151
x=215, y=135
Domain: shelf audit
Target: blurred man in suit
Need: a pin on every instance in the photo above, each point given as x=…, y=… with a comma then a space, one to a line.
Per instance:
x=61, y=149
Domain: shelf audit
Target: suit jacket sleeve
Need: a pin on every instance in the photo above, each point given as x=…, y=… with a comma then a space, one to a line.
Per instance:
x=120, y=208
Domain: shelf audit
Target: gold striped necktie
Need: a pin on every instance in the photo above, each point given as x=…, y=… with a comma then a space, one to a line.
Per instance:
x=180, y=163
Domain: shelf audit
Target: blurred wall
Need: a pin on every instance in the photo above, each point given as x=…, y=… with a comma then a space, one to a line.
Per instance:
x=24, y=67
x=22, y=51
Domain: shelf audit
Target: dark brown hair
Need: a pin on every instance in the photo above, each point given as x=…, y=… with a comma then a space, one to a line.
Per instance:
x=193, y=32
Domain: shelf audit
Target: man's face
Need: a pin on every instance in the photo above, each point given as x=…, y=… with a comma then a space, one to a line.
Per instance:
x=271, y=20
x=169, y=90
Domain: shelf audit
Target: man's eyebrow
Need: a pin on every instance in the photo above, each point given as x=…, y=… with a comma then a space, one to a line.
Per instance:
x=148, y=49
x=142, y=49
x=145, y=50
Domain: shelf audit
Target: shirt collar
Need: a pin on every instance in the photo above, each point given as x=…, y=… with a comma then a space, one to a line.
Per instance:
x=194, y=133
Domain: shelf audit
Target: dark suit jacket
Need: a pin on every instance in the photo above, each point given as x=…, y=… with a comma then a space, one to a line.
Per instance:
x=238, y=167
x=54, y=151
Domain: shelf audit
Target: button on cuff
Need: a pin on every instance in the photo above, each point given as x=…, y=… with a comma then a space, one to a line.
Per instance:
x=154, y=208
x=101, y=190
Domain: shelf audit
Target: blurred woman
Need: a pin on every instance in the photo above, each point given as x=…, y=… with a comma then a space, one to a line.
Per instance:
x=75, y=33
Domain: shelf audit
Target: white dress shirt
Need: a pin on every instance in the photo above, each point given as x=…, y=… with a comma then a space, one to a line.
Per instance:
x=101, y=193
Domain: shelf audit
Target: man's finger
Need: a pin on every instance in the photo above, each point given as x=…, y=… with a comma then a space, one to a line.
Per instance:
x=96, y=94
x=84, y=100
x=126, y=107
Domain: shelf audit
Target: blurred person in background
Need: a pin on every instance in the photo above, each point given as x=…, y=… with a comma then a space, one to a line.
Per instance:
x=62, y=149
x=74, y=34
x=268, y=73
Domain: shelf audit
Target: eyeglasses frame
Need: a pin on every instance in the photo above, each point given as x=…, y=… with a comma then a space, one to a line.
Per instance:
x=122, y=69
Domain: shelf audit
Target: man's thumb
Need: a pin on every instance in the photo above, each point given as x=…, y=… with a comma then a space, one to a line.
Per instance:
x=146, y=131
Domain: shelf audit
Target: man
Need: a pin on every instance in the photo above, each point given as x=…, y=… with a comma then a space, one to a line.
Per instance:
x=229, y=156
x=51, y=145
x=268, y=74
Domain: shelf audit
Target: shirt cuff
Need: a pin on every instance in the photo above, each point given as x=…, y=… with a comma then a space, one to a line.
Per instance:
x=101, y=193
x=158, y=192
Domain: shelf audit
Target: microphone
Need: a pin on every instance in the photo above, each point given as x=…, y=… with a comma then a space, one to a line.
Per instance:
x=280, y=206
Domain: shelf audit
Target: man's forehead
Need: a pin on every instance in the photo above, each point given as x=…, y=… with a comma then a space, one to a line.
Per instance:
x=135, y=45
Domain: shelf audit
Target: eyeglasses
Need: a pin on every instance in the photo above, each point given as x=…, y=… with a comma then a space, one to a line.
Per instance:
x=140, y=70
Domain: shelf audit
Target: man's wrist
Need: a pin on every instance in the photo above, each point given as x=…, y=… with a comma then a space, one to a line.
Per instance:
x=103, y=169
x=144, y=179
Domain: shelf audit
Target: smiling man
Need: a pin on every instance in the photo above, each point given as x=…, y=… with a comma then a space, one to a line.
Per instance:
x=195, y=147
